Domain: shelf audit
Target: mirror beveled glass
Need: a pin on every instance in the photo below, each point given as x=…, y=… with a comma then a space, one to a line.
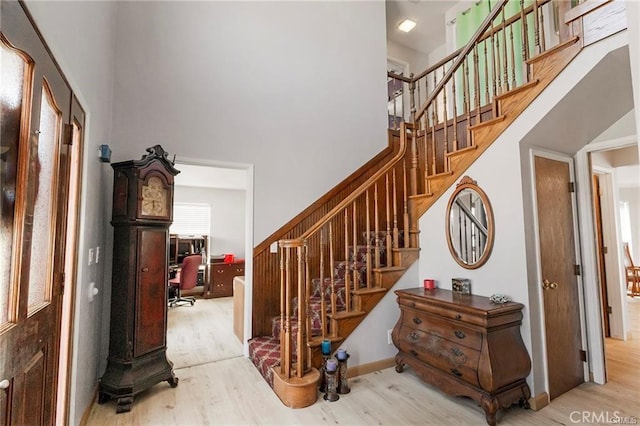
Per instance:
x=470, y=228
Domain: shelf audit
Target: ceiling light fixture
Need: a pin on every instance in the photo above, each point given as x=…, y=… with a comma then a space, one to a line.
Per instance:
x=406, y=25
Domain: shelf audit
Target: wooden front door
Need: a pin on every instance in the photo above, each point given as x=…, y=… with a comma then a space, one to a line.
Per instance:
x=35, y=107
x=559, y=279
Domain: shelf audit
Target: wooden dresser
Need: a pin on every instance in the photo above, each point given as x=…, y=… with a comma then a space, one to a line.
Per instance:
x=465, y=345
x=221, y=278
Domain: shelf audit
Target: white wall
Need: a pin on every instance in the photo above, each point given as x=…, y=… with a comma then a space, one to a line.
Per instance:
x=417, y=61
x=292, y=87
x=632, y=196
x=506, y=270
x=633, y=24
x=227, y=216
x=82, y=39
x=622, y=128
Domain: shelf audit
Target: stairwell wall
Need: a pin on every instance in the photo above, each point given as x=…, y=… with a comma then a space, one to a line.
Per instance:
x=498, y=173
x=293, y=88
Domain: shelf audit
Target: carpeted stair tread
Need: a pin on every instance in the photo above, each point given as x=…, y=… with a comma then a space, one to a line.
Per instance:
x=264, y=352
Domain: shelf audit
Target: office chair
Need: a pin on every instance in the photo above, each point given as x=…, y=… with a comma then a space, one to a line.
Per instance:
x=186, y=279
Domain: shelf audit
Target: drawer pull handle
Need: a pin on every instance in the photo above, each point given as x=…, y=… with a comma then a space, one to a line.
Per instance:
x=145, y=269
x=417, y=320
x=413, y=352
x=456, y=372
x=413, y=335
x=458, y=316
x=459, y=334
x=456, y=351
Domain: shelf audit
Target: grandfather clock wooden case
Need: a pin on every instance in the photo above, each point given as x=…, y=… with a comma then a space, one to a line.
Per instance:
x=142, y=214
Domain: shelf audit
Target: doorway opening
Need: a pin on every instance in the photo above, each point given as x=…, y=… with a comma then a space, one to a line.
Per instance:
x=214, y=328
x=615, y=172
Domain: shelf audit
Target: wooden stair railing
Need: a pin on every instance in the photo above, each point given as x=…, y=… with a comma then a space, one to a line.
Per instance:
x=479, y=90
x=373, y=231
x=266, y=267
x=359, y=237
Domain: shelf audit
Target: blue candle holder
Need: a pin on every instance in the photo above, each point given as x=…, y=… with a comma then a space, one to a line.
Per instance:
x=326, y=347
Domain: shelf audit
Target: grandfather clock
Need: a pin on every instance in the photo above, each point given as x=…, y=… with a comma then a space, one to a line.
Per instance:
x=142, y=214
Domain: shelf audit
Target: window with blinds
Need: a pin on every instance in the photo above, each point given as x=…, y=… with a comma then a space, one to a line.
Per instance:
x=191, y=219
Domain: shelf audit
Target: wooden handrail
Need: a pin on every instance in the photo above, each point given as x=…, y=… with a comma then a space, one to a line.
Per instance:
x=460, y=59
x=363, y=187
x=287, y=227
x=484, y=36
x=399, y=77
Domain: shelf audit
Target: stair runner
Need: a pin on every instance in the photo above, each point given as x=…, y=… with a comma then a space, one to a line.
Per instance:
x=264, y=351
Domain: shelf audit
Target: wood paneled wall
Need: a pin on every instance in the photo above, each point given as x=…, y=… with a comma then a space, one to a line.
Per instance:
x=266, y=269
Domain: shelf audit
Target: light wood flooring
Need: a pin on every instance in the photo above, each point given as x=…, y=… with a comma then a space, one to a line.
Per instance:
x=202, y=333
x=232, y=392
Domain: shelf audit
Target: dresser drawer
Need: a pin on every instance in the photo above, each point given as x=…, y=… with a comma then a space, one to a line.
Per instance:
x=447, y=329
x=441, y=353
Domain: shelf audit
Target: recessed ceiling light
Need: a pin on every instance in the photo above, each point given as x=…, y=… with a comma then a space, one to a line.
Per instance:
x=406, y=25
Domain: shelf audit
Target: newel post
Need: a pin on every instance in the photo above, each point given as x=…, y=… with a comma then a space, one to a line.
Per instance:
x=293, y=277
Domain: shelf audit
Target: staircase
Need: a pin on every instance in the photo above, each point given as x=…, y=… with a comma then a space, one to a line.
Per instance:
x=337, y=259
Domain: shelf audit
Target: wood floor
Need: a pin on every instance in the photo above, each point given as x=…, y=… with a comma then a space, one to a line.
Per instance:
x=231, y=392
x=202, y=333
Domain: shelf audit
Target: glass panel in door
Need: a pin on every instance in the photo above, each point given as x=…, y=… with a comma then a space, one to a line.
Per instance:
x=43, y=181
x=15, y=72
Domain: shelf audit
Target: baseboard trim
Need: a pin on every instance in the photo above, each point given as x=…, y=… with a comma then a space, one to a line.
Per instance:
x=539, y=401
x=359, y=370
x=87, y=411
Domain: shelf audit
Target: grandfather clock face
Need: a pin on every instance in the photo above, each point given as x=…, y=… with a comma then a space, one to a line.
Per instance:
x=154, y=198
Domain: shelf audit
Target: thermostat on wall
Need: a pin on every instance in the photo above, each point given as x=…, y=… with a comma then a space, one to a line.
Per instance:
x=104, y=153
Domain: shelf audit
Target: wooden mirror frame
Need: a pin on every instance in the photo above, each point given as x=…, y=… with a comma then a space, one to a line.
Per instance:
x=467, y=183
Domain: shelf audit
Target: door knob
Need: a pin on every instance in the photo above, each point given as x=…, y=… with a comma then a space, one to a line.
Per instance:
x=4, y=384
x=546, y=285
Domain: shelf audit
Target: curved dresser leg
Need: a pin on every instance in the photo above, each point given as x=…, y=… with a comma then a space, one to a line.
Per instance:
x=399, y=364
x=490, y=407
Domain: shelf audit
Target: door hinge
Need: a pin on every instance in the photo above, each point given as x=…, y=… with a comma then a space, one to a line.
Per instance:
x=609, y=310
x=605, y=250
x=62, y=278
x=583, y=356
x=68, y=134
x=572, y=187
x=577, y=270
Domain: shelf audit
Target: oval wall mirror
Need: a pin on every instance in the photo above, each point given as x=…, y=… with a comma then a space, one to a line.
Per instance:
x=469, y=225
